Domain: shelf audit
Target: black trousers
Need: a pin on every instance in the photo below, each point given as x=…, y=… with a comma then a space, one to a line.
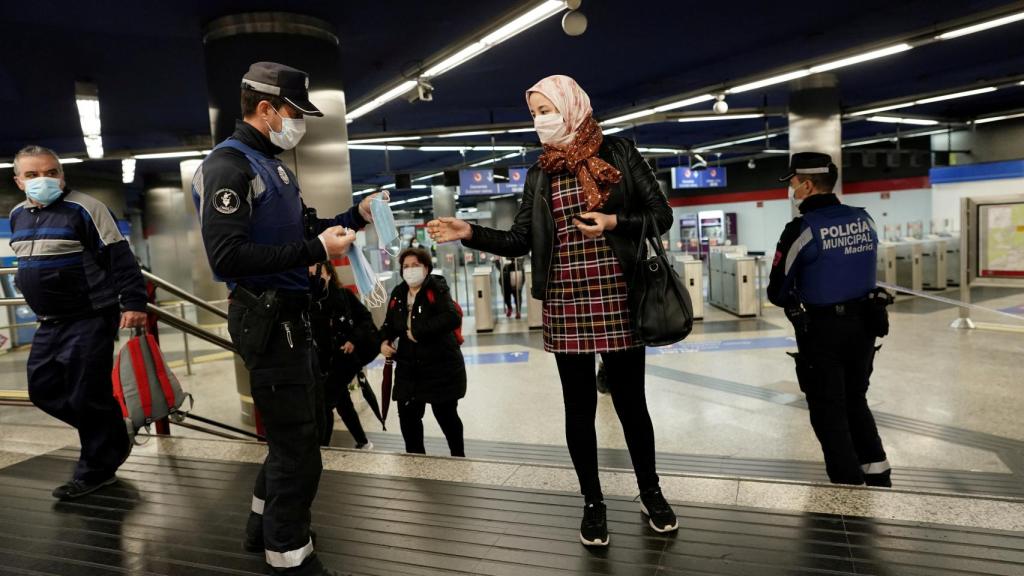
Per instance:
x=624, y=371
x=410, y=417
x=339, y=398
x=510, y=290
x=69, y=378
x=834, y=369
x=289, y=397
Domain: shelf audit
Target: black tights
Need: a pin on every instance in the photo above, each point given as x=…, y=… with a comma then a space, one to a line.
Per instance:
x=624, y=371
x=410, y=416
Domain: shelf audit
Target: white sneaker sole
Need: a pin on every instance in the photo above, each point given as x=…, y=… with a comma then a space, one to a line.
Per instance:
x=595, y=543
x=664, y=530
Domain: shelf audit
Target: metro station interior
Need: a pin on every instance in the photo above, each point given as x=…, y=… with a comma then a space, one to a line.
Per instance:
x=919, y=103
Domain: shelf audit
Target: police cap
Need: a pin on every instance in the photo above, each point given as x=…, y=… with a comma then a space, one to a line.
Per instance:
x=290, y=84
x=806, y=163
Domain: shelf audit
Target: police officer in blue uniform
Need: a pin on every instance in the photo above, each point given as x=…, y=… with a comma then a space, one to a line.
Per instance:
x=77, y=273
x=260, y=239
x=823, y=276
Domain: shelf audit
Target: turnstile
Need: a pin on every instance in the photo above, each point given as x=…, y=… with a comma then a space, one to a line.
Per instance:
x=933, y=264
x=887, y=263
x=691, y=272
x=733, y=277
x=952, y=260
x=483, y=299
x=908, y=265
x=534, y=307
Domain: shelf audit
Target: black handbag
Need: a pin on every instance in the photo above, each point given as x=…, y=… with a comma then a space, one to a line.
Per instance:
x=660, y=304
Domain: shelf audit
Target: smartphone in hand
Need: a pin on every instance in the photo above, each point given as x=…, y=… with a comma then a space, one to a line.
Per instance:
x=585, y=221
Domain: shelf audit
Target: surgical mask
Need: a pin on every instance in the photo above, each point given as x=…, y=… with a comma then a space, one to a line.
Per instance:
x=414, y=276
x=550, y=127
x=384, y=222
x=292, y=130
x=792, y=196
x=43, y=189
x=367, y=282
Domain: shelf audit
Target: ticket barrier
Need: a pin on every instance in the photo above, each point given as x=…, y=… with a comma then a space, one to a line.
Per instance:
x=483, y=298
x=691, y=272
x=933, y=264
x=733, y=277
x=534, y=307
x=908, y=265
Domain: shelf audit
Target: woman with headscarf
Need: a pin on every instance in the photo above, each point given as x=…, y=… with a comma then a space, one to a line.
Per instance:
x=581, y=218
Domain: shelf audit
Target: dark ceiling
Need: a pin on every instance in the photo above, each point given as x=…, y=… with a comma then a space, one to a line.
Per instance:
x=147, y=59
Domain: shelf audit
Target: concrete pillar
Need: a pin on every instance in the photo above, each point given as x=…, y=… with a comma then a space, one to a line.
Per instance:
x=815, y=122
x=448, y=254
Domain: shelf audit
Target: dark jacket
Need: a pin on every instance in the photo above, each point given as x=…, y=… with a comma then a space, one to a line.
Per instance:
x=73, y=260
x=533, y=231
x=339, y=317
x=431, y=369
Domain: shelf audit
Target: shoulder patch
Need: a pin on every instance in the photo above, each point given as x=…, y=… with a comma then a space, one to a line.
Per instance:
x=226, y=201
x=283, y=174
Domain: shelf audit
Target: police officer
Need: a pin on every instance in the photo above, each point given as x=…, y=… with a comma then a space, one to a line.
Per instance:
x=823, y=275
x=76, y=272
x=260, y=239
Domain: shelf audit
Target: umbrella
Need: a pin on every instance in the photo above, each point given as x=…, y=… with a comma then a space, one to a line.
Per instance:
x=385, y=388
x=369, y=396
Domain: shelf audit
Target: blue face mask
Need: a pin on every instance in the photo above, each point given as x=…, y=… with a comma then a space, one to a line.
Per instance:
x=383, y=221
x=369, y=286
x=43, y=189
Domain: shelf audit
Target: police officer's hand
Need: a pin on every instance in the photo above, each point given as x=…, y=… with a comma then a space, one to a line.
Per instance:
x=387, y=350
x=131, y=319
x=337, y=239
x=364, y=206
x=448, y=229
x=348, y=348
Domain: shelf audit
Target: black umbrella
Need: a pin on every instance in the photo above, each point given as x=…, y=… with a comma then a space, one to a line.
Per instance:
x=370, y=397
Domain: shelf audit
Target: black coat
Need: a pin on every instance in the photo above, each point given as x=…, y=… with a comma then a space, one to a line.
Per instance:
x=533, y=231
x=431, y=369
x=337, y=318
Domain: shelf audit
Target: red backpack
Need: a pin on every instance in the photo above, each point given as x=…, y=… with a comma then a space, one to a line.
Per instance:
x=458, y=309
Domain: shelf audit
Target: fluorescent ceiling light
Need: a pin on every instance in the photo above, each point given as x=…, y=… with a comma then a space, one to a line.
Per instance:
x=628, y=117
x=519, y=130
x=982, y=26
x=444, y=148
x=454, y=60
x=388, y=186
x=184, y=154
x=493, y=160
x=128, y=170
x=613, y=130
x=420, y=186
x=956, y=95
x=769, y=81
x=712, y=118
x=471, y=133
x=88, y=102
x=929, y=133
x=684, y=103
x=497, y=148
x=899, y=120
x=998, y=118
x=380, y=100
x=864, y=142
x=881, y=109
x=774, y=151
x=94, y=147
x=410, y=200
x=384, y=139
x=428, y=176
x=6, y=165
x=71, y=160
x=896, y=49
x=660, y=150
x=734, y=142
x=375, y=147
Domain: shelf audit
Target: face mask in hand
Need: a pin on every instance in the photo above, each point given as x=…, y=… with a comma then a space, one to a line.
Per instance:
x=383, y=222
x=292, y=130
x=43, y=189
x=414, y=276
x=369, y=286
x=550, y=127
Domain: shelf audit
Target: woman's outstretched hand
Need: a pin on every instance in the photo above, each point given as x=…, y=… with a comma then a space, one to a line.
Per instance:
x=448, y=229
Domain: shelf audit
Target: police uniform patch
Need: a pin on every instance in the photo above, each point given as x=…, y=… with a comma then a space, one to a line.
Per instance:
x=226, y=201
x=283, y=174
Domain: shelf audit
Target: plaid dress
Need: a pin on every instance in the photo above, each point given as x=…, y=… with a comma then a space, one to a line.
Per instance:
x=585, y=304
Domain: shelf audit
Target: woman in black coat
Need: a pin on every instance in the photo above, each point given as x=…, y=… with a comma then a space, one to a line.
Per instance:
x=346, y=340
x=419, y=334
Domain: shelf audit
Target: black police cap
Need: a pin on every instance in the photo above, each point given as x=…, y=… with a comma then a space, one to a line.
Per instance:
x=809, y=163
x=290, y=84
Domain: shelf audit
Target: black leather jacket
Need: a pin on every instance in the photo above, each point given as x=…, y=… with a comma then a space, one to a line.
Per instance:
x=533, y=231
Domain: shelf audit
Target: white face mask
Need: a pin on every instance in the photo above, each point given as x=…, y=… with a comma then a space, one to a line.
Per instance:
x=414, y=276
x=550, y=128
x=292, y=130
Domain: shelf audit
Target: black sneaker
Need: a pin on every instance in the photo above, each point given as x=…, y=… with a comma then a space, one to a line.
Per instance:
x=594, y=527
x=882, y=480
x=78, y=488
x=659, y=514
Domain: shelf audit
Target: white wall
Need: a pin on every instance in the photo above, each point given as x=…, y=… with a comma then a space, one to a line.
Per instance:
x=946, y=197
x=901, y=207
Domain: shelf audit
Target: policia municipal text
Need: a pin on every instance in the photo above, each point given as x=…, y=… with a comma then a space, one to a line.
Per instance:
x=260, y=239
x=823, y=276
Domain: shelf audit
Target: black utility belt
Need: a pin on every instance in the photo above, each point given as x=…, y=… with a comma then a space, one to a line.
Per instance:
x=271, y=299
x=857, y=307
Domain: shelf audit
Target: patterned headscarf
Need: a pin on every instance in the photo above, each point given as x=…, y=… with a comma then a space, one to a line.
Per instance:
x=576, y=150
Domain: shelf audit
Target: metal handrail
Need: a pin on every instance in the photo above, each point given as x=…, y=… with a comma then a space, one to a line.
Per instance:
x=186, y=296
x=190, y=328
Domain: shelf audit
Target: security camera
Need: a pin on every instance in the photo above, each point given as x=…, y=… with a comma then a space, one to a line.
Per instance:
x=424, y=92
x=751, y=164
x=721, y=106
